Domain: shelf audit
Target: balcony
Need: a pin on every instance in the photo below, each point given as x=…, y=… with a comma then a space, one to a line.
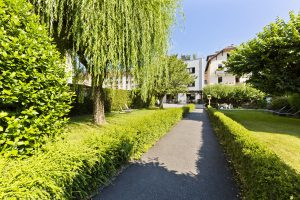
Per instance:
x=220, y=72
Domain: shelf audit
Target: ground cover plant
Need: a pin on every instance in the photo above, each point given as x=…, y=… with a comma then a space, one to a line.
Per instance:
x=261, y=173
x=280, y=134
x=86, y=157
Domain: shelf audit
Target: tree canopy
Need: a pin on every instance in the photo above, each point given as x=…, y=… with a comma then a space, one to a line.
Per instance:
x=272, y=59
x=169, y=75
x=110, y=36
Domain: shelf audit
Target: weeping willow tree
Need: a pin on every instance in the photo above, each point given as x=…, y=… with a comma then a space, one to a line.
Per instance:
x=110, y=37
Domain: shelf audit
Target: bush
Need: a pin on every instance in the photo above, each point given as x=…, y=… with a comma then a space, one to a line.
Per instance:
x=73, y=168
x=34, y=97
x=238, y=95
x=294, y=100
x=115, y=100
x=261, y=173
x=279, y=102
x=118, y=99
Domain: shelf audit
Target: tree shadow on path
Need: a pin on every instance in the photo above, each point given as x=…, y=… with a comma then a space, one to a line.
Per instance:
x=170, y=174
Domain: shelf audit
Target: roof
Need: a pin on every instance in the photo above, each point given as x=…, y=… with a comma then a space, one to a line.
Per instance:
x=211, y=57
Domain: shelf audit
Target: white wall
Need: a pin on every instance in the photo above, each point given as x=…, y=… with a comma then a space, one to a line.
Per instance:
x=227, y=79
x=199, y=66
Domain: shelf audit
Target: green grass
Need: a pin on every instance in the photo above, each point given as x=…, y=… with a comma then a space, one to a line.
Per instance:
x=81, y=126
x=280, y=134
x=86, y=157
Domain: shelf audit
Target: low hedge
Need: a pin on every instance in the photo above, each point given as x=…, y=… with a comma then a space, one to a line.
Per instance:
x=115, y=100
x=73, y=168
x=262, y=174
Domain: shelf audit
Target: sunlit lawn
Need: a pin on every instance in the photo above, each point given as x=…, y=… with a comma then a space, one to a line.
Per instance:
x=81, y=126
x=280, y=134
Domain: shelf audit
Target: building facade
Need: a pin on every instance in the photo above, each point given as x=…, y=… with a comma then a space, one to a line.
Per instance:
x=194, y=94
x=216, y=71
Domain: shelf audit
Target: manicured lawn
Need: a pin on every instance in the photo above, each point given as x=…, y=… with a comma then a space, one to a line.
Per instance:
x=280, y=134
x=82, y=126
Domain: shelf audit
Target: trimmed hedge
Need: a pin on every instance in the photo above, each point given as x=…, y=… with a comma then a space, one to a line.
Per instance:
x=262, y=174
x=115, y=100
x=73, y=169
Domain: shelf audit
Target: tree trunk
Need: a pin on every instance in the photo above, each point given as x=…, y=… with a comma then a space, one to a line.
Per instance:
x=161, y=105
x=98, y=111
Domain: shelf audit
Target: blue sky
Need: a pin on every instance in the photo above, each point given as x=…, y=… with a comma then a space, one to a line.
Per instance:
x=210, y=25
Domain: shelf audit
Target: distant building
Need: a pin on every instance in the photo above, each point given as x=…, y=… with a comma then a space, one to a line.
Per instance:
x=124, y=82
x=216, y=71
x=194, y=94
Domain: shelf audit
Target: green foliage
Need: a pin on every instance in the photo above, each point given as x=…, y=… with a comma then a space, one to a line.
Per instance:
x=279, y=102
x=34, y=96
x=169, y=75
x=109, y=38
x=261, y=173
x=78, y=165
x=110, y=34
x=272, y=58
x=279, y=134
x=118, y=99
x=294, y=100
x=236, y=95
x=114, y=100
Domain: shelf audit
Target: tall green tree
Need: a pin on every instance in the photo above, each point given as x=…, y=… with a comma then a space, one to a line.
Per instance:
x=169, y=75
x=109, y=36
x=272, y=59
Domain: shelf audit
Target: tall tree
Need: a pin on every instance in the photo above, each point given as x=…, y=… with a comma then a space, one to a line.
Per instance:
x=271, y=60
x=109, y=36
x=169, y=75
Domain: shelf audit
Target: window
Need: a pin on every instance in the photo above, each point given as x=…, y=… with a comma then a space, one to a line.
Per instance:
x=192, y=84
x=237, y=79
x=205, y=82
x=191, y=70
x=228, y=55
x=220, y=79
x=220, y=66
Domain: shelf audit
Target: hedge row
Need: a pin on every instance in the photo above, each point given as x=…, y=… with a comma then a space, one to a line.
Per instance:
x=73, y=169
x=115, y=100
x=261, y=173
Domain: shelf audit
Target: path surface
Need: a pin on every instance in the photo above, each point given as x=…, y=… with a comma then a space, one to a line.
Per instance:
x=187, y=164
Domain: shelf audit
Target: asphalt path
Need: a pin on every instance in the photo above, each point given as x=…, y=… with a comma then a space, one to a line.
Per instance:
x=187, y=163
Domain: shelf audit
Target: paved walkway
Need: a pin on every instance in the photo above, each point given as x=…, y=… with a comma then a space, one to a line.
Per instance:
x=187, y=164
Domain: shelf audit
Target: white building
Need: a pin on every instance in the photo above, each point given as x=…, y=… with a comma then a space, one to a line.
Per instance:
x=124, y=82
x=194, y=94
x=216, y=71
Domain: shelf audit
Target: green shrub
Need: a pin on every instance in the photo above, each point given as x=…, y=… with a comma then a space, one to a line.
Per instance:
x=115, y=100
x=74, y=168
x=34, y=97
x=279, y=102
x=238, y=95
x=294, y=100
x=118, y=99
x=261, y=173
